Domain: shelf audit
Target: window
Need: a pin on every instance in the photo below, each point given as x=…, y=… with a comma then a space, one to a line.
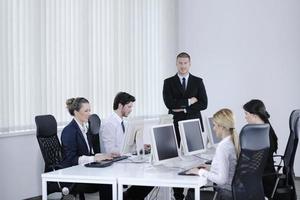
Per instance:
x=53, y=50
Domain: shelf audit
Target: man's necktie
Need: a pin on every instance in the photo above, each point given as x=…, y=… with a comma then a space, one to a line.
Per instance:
x=123, y=127
x=183, y=83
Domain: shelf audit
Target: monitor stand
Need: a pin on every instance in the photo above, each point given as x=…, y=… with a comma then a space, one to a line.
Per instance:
x=182, y=156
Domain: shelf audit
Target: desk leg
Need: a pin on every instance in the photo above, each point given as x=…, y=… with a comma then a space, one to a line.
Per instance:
x=120, y=191
x=114, y=191
x=197, y=193
x=44, y=189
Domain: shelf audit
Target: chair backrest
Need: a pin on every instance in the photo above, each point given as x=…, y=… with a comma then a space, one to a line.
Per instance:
x=247, y=180
x=94, y=129
x=290, y=151
x=291, y=147
x=46, y=133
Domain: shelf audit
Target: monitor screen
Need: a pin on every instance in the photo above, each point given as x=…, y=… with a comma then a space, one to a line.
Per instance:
x=164, y=143
x=191, y=136
x=211, y=133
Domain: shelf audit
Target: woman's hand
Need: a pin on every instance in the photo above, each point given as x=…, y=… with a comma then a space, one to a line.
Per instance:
x=203, y=166
x=193, y=171
x=115, y=154
x=196, y=170
x=100, y=157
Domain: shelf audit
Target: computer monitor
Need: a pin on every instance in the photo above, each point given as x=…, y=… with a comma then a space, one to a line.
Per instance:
x=132, y=130
x=138, y=130
x=164, y=143
x=212, y=135
x=191, y=137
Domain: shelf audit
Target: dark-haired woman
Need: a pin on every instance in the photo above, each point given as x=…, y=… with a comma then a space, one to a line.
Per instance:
x=256, y=113
x=77, y=148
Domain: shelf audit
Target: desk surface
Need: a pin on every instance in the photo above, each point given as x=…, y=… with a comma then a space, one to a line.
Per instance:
x=127, y=173
x=124, y=169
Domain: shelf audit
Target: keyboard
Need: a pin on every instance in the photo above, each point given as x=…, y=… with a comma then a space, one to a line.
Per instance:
x=105, y=163
x=183, y=173
x=118, y=158
x=99, y=164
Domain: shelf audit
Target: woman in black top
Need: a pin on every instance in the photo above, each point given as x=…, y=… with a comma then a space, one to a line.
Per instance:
x=256, y=113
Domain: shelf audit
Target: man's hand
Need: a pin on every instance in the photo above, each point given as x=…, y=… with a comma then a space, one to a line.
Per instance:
x=147, y=146
x=193, y=100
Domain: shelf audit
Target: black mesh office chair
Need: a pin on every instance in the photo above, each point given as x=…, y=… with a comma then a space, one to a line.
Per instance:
x=285, y=184
x=46, y=133
x=93, y=133
x=247, y=180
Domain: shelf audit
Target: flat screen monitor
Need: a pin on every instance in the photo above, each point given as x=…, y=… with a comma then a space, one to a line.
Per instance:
x=164, y=143
x=213, y=138
x=133, y=129
x=191, y=137
x=138, y=130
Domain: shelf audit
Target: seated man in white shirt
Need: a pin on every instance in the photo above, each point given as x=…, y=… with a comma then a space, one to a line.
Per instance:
x=112, y=136
x=113, y=129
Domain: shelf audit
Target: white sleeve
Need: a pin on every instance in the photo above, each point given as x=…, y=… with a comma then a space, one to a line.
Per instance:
x=109, y=138
x=219, y=170
x=85, y=159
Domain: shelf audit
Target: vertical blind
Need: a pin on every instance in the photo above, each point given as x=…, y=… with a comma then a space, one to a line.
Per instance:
x=51, y=50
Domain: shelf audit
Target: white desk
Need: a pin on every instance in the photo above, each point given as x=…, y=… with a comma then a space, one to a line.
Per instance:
x=147, y=175
x=80, y=174
x=124, y=173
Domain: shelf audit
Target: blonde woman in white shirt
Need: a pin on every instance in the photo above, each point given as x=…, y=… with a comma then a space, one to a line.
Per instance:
x=224, y=162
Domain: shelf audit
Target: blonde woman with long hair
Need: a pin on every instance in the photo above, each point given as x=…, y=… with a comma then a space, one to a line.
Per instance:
x=224, y=162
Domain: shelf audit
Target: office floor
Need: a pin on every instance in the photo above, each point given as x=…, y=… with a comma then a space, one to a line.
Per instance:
x=94, y=196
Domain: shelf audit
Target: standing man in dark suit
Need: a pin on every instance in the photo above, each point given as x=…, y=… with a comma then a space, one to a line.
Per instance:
x=185, y=96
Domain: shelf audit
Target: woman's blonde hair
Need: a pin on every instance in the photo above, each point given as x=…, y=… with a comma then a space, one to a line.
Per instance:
x=225, y=118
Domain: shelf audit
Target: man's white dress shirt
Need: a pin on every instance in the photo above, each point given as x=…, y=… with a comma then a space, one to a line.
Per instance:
x=112, y=134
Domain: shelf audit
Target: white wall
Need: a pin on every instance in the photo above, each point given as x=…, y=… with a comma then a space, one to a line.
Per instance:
x=21, y=167
x=245, y=50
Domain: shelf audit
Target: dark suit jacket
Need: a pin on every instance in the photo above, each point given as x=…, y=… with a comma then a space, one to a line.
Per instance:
x=73, y=144
x=175, y=97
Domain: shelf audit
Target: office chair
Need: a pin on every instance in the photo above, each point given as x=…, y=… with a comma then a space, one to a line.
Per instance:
x=247, y=180
x=93, y=133
x=46, y=133
x=285, y=184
